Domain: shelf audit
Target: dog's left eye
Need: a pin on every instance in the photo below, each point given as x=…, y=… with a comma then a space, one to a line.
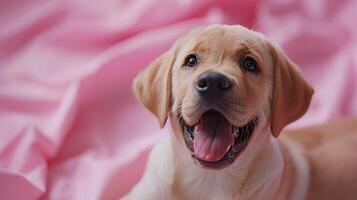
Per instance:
x=191, y=60
x=250, y=64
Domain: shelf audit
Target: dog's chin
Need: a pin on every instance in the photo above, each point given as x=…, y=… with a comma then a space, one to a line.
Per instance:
x=214, y=142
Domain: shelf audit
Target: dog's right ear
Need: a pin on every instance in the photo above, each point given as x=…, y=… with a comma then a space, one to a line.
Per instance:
x=153, y=85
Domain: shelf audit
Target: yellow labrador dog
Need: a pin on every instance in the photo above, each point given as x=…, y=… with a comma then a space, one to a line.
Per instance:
x=228, y=93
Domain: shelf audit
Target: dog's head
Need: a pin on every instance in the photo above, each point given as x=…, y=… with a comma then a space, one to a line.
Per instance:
x=221, y=85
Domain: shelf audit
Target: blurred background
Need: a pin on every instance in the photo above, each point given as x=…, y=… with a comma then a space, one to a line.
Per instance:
x=70, y=127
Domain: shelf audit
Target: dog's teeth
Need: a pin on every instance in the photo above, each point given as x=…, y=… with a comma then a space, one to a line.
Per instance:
x=235, y=134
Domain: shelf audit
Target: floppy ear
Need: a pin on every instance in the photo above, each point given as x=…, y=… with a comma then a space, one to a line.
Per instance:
x=292, y=94
x=153, y=85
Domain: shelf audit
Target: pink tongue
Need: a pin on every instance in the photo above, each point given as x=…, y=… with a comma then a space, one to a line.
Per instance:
x=213, y=138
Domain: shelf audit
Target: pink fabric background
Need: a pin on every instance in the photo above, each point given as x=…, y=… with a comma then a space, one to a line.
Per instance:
x=69, y=125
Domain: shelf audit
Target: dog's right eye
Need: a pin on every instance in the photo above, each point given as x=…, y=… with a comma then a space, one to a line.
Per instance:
x=191, y=60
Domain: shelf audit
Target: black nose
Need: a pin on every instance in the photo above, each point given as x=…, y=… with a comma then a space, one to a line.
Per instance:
x=213, y=83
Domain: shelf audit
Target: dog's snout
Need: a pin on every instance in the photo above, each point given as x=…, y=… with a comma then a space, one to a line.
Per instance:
x=212, y=82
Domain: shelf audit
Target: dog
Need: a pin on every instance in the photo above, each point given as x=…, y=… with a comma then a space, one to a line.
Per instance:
x=228, y=93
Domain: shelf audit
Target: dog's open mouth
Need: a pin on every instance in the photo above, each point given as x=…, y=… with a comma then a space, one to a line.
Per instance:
x=214, y=141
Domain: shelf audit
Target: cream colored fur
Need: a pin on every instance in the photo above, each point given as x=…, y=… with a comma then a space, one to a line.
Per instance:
x=297, y=165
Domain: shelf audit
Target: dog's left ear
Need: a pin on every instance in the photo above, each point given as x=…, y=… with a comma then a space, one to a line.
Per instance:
x=153, y=85
x=292, y=94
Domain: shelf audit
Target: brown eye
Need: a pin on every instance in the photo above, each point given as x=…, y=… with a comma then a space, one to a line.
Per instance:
x=249, y=64
x=191, y=60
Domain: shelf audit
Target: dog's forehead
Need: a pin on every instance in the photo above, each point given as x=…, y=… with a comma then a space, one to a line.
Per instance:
x=225, y=37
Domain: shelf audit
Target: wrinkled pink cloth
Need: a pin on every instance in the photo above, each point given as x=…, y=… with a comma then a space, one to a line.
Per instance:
x=70, y=127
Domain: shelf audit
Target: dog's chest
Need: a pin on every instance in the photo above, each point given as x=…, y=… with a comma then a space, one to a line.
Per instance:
x=198, y=185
